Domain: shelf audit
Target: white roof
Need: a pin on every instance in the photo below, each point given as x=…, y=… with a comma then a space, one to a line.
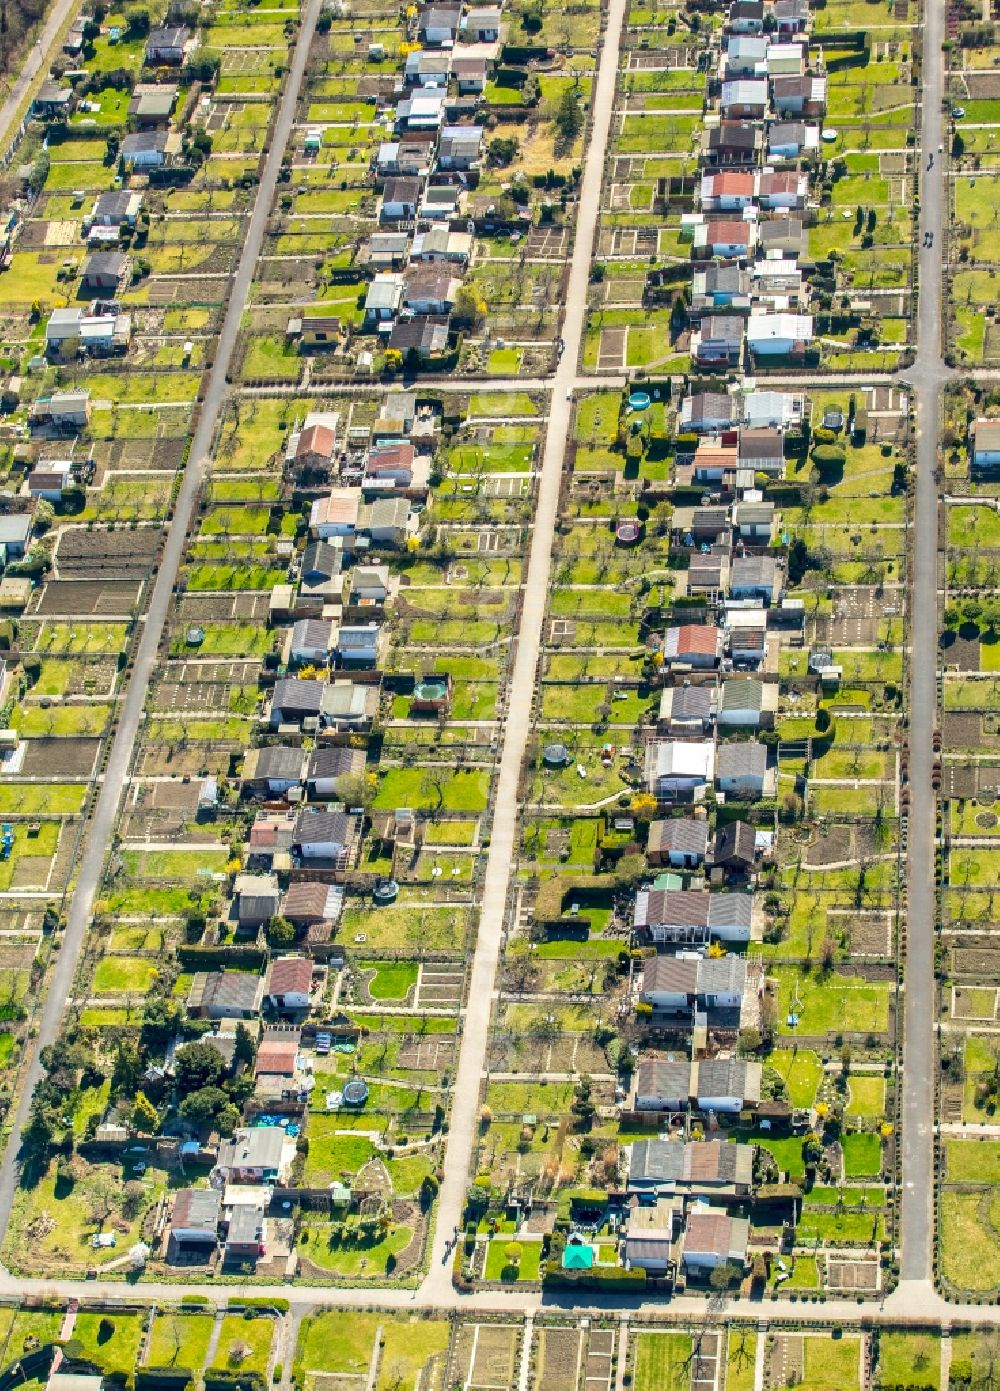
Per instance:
x=687, y=760
x=744, y=89
x=767, y=328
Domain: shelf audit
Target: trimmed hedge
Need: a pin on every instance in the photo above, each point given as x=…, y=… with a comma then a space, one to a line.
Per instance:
x=205, y=958
x=631, y=1281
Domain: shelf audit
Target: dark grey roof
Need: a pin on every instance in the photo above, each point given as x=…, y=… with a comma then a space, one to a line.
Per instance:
x=105, y=263
x=725, y=278
x=114, y=204
x=681, y=833
x=168, y=36
x=671, y=975
x=312, y=632
x=402, y=190
x=775, y=229
x=660, y=1160
x=730, y=910
x=313, y=827
x=302, y=697
x=196, y=1208
x=144, y=140
x=711, y=405
x=279, y=762
x=732, y=135
x=784, y=132
x=760, y=444
x=684, y=907
x=691, y=703
x=747, y=759
x=665, y=1077
x=329, y=761
x=320, y=560
x=740, y=694
x=246, y=1225
x=672, y=1161
x=727, y=1077
x=231, y=990
x=735, y=842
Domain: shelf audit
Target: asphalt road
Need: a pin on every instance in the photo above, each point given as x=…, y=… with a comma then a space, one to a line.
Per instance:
x=926, y=377
x=102, y=826
x=908, y=1304
x=502, y=854
x=39, y=55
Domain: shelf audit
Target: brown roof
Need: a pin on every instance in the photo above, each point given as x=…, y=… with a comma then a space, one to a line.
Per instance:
x=318, y=439
x=290, y=973
x=305, y=902
x=708, y=1231
x=779, y=182
x=675, y=975
x=703, y=1160
x=707, y=454
x=390, y=456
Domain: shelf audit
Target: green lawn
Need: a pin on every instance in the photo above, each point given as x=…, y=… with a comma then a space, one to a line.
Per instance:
x=413, y=1352
x=51, y=799
x=741, y=1360
x=244, y=1343
x=973, y=1161
x=499, y=1268
x=830, y=1004
x=908, y=1359
x=124, y=975
x=113, y=1348
x=858, y=1228
x=433, y=789
x=173, y=864
x=340, y=1343
x=801, y=1070
x=862, y=1156
x=662, y=1362
x=180, y=1340
x=831, y=1364
x=787, y=1152
x=970, y=1249
x=60, y=721
x=393, y=980
x=363, y=1257
x=867, y=1095
x=332, y=1156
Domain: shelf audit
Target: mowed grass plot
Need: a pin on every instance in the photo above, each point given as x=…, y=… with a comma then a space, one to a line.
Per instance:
x=970, y=1239
x=662, y=1362
x=180, y=1340
x=434, y=789
x=244, y=1344
x=830, y=1004
x=908, y=1359
x=831, y=1364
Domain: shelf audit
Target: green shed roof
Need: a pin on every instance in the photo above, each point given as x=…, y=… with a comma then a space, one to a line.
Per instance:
x=578, y=1257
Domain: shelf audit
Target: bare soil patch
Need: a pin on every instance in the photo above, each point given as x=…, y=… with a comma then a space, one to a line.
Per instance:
x=63, y=758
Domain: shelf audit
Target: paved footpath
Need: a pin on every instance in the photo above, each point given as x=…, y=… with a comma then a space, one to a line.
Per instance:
x=919, y=1003
x=502, y=853
x=99, y=832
